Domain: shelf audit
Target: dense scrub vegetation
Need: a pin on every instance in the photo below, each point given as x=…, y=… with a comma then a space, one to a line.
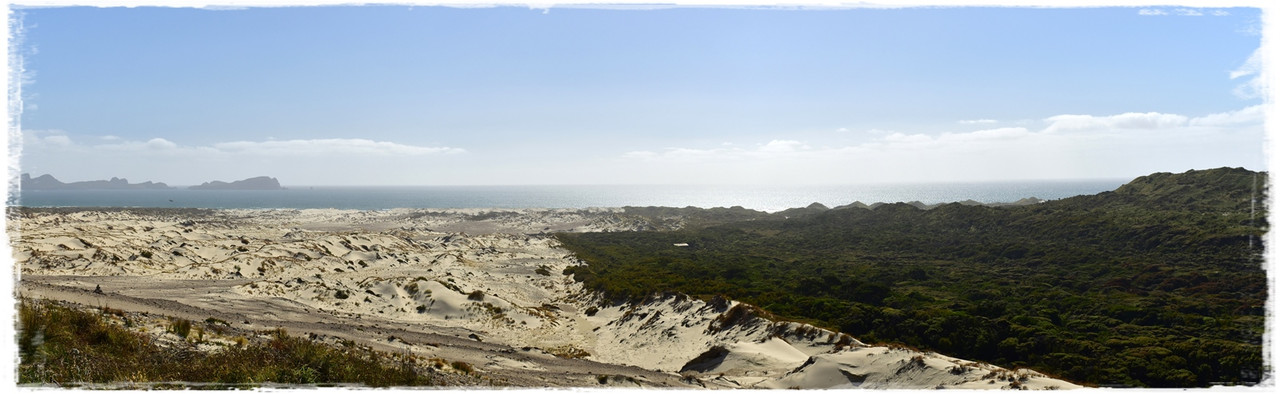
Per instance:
x=1159, y=283
x=67, y=346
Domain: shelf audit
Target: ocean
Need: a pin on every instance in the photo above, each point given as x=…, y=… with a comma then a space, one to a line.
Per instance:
x=764, y=198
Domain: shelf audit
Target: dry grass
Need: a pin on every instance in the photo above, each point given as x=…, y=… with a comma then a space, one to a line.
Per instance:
x=67, y=346
x=568, y=351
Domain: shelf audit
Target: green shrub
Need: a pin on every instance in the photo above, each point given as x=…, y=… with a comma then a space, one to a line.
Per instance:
x=181, y=327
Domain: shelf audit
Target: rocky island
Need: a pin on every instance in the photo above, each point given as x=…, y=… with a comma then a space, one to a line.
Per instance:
x=255, y=183
x=48, y=182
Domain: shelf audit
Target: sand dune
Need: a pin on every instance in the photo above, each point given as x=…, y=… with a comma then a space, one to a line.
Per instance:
x=480, y=286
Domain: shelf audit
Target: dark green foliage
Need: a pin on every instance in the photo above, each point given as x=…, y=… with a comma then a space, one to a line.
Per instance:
x=1160, y=283
x=476, y=295
x=697, y=216
x=64, y=346
x=341, y=295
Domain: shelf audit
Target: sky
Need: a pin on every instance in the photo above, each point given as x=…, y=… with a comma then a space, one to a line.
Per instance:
x=421, y=95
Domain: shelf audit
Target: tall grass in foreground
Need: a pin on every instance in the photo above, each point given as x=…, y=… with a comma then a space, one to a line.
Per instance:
x=65, y=346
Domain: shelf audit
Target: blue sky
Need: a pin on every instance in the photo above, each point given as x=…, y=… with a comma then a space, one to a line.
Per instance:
x=397, y=95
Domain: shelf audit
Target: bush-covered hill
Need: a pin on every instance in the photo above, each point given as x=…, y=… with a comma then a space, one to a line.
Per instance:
x=1159, y=283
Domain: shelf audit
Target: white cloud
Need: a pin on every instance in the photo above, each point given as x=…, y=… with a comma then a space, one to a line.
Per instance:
x=1146, y=120
x=59, y=140
x=156, y=146
x=783, y=146
x=679, y=154
x=1065, y=146
x=695, y=154
x=160, y=143
x=304, y=161
x=772, y=150
x=1253, y=28
x=1249, y=115
x=1179, y=12
x=1131, y=120
x=978, y=121
x=951, y=138
x=639, y=154
x=46, y=138
x=332, y=146
x=335, y=146
x=1252, y=66
x=900, y=138
x=1003, y=133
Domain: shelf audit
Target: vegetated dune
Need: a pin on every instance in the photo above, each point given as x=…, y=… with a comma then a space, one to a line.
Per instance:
x=485, y=287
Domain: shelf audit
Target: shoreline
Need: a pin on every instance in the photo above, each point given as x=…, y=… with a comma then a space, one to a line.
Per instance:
x=765, y=199
x=1030, y=200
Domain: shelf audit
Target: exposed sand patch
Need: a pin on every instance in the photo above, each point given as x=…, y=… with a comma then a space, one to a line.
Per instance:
x=479, y=286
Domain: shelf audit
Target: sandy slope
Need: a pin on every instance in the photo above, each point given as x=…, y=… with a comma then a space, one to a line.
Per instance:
x=479, y=286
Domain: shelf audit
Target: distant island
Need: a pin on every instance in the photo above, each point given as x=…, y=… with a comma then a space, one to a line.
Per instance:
x=48, y=182
x=255, y=183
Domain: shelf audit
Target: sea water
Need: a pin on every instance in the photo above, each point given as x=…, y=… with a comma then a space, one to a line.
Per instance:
x=758, y=197
x=765, y=198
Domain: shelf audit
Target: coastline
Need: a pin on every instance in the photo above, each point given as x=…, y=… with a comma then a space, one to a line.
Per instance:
x=762, y=198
